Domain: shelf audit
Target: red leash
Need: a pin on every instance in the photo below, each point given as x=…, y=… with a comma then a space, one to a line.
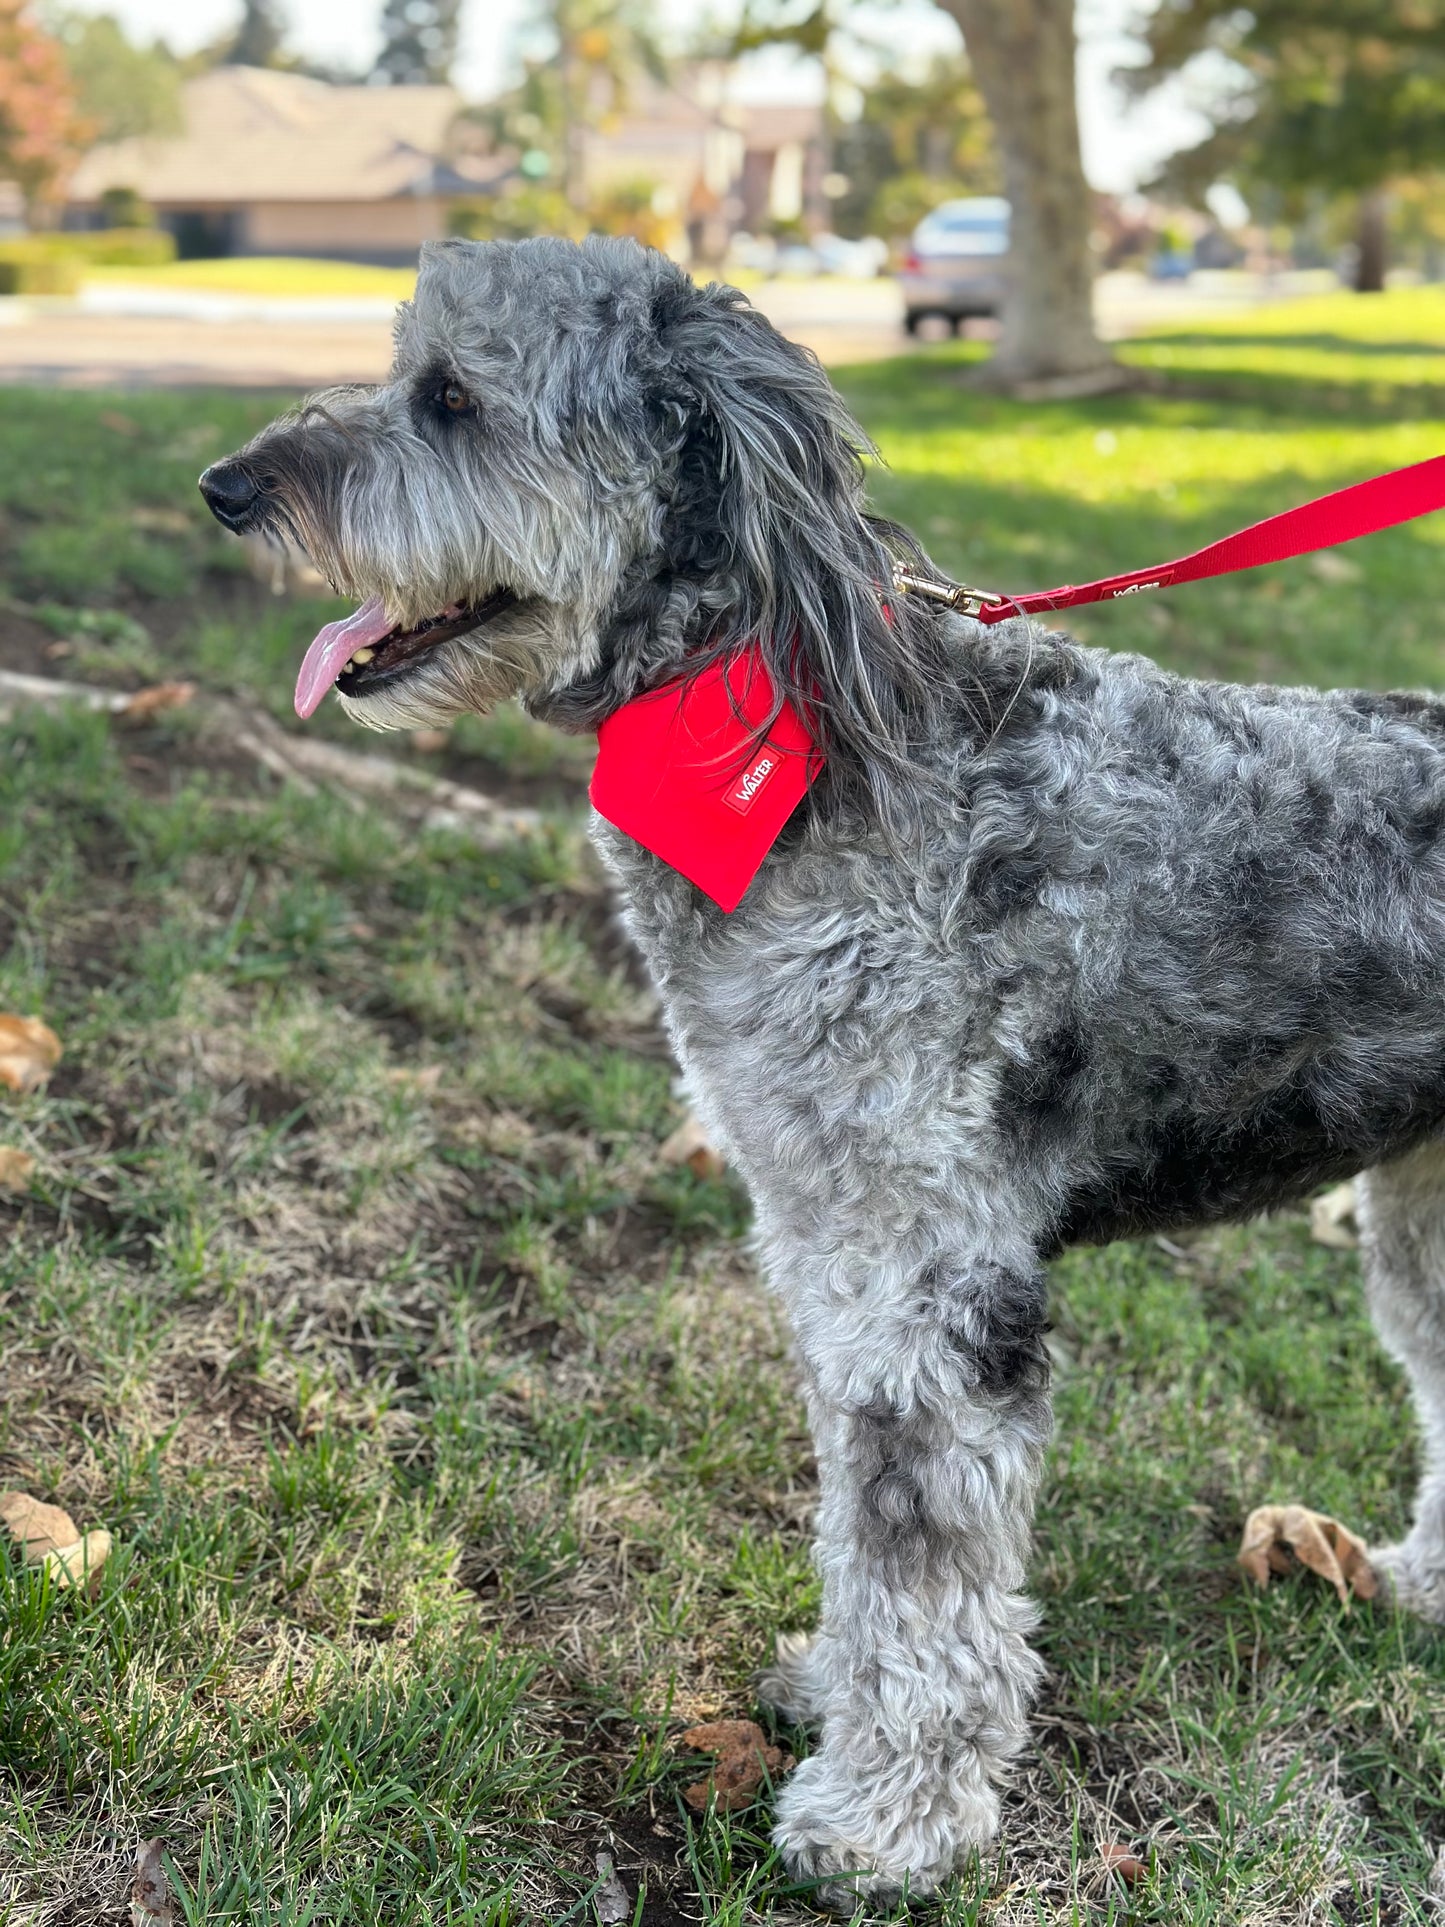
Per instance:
x=1350, y=512
x=681, y=770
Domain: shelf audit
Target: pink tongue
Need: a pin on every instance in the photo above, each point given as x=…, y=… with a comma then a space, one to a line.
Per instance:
x=334, y=648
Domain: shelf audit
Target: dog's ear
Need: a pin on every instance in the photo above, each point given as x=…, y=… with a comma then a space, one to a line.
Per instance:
x=764, y=519
x=768, y=451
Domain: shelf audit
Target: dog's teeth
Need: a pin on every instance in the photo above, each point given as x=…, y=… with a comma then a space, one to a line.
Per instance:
x=361, y=656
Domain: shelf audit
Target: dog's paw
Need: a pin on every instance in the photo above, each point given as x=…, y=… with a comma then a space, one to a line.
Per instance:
x=840, y=1834
x=793, y=1685
x=1412, y=1577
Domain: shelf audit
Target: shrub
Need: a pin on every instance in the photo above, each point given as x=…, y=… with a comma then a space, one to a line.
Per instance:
x=123, y=207
x=56, y=263
x=631, y=207
x=38, y=273
x=126, y=247
x=517, y=215
x=626, y=207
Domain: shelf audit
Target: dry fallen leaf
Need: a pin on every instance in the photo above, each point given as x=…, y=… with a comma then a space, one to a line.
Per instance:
x=688, y=1145
x=1123, y=1861
x=1272, y=1532
x=29, y=1052
x=420, y=1077
x=160, y=695
x=48, y=1536
x=17, y=1168
x=743, y=1756
x=78, y=1564
x=1332, y=1218
x=36, y=1527
x=150, y=1894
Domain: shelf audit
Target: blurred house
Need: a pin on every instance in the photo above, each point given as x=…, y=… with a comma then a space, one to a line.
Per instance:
x=276, y=163
x=719, y=164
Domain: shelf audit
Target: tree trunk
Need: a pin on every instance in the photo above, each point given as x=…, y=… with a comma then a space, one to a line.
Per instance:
x=1022, y=54
x=1370, y=268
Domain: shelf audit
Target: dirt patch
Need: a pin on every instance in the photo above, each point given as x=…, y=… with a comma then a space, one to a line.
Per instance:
x=552, y=789
x=28, y=646
x=646, y=1846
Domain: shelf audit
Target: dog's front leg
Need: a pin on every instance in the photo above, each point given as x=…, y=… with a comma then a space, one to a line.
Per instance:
x=930, y=1410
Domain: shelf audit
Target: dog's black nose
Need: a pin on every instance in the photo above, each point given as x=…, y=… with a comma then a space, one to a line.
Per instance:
x=229, y=492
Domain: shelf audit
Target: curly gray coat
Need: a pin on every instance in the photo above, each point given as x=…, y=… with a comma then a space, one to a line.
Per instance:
x=1060, y=947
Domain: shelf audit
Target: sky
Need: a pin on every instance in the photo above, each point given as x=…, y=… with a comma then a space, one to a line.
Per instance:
x=1120, y=144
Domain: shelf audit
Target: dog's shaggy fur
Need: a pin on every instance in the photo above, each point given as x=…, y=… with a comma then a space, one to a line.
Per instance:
x=1060, y=947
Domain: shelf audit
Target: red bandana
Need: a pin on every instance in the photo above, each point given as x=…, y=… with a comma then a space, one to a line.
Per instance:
x=681, y=771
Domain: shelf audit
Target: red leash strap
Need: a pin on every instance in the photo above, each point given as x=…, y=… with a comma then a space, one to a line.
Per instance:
x=1350, y=512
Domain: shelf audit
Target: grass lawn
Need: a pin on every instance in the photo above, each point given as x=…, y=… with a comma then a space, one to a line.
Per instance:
x=278, y=276
x=288, y=277
x=448, y=1440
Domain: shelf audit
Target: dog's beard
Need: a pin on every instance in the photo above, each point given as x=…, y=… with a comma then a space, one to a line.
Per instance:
x=454, y=678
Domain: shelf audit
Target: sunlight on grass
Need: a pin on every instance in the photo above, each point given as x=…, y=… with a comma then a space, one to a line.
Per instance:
x=1027, y=497
x=277, y=275
x=1330, y=352
x=1404, y=315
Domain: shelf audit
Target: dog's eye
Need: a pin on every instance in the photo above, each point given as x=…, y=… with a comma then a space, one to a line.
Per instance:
x=455, y=399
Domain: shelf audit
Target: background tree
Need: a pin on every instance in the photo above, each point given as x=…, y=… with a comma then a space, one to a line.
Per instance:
x=1344, y=96
x=584, y=59
x=1021, y=53
x=122, y=90
x=419, y=42
x=259, y=36
x=1023, y=56
x=41, y=130
x=916, y=142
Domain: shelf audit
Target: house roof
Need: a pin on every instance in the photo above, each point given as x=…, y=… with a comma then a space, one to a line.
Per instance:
x=252, y=134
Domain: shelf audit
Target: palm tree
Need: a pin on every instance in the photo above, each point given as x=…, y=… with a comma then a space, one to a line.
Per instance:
x=598, y=50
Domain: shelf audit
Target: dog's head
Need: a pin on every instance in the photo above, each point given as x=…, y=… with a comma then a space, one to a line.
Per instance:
x=583, y=473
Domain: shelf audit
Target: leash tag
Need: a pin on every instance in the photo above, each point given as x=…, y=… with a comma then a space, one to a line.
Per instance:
x=681, y=771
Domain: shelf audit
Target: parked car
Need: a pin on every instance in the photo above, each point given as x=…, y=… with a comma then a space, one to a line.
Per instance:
x=957, y=263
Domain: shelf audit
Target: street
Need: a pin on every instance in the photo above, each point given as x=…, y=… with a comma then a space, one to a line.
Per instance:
x=139, y=337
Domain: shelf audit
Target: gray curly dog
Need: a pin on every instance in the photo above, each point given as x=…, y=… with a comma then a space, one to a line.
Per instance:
x=1059, y=947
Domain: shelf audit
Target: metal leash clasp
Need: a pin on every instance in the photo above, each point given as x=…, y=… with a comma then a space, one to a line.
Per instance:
x=957, y=595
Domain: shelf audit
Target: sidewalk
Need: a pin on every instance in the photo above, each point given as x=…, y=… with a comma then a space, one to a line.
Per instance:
x=122, y=336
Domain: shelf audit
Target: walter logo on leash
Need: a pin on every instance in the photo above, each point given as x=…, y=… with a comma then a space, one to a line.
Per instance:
x=1015, y=944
